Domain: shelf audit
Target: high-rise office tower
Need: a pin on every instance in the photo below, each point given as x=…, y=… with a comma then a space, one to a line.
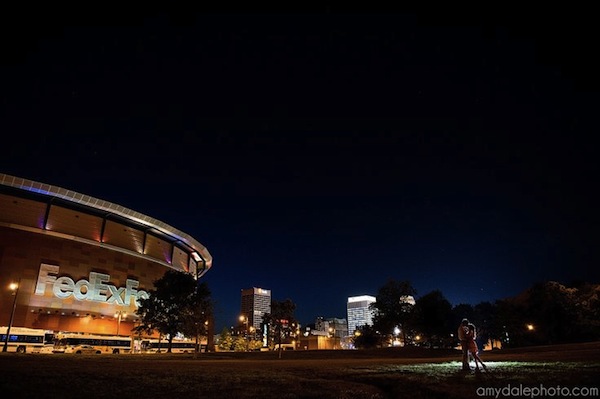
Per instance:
x=255, y=303
x=359, y=313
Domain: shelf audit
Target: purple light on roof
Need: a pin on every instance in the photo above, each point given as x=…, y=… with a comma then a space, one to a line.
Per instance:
x=40, y=222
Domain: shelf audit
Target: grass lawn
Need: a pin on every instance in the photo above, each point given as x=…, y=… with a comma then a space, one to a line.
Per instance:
x=386, y=373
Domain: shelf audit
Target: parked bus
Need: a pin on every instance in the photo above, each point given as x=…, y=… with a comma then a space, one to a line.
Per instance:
x=68, y=343
x=25, y=340
x=177, y=346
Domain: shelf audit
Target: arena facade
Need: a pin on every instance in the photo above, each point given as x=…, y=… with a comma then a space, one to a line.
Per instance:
x=82, y=263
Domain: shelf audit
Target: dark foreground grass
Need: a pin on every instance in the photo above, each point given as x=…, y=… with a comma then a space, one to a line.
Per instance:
x=393, y=373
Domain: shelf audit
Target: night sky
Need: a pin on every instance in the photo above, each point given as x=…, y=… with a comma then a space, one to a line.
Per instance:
x=319, y=154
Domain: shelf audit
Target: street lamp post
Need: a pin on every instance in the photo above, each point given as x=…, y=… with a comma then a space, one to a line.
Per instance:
x=208, y=338
x=120, y=314
x=244, y=320
x=15, y=288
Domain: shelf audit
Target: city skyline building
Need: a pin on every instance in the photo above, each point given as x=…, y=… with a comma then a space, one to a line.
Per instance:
x=330, y=327
x=359, y=313
x=255, y=302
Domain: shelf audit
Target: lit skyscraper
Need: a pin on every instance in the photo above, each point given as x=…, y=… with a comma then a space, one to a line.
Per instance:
x=359, y=313
x=255, y=303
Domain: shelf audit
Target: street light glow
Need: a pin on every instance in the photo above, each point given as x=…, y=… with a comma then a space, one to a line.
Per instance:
x=15, y=288
x=119, y=315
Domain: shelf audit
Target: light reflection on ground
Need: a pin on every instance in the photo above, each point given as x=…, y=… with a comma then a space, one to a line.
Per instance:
x=446, y=379
x=452, y=369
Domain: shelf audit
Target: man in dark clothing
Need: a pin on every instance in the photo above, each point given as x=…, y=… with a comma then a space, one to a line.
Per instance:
x=463, y=330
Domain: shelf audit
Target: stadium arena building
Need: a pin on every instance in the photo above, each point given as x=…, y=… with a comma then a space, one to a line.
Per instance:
x=82, y=263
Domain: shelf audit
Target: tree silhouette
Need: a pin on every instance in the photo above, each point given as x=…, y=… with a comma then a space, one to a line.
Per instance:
x=432, y=315
x=169, y=305
x=392, y=308
x=281, y=320
x=366, y=337
x=197, y=314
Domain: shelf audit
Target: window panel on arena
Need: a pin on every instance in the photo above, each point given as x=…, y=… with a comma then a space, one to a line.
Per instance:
x=180, y=259
x=193, y=267
x=123, y=236
x=74, y=222
x=21, y=211
x=158, y=248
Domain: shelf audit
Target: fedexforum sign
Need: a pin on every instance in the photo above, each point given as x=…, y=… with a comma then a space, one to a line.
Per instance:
x=95, y=289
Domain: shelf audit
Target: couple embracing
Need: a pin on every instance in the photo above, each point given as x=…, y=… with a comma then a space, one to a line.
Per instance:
x=467, y=335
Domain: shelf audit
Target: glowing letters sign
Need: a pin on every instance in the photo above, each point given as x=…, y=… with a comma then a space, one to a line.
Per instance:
x=95, y=289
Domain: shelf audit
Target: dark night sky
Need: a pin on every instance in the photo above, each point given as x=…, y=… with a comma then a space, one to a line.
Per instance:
x=318, y=154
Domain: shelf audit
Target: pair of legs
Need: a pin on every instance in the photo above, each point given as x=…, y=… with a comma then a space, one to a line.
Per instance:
x=477, y=359
x=465, y=356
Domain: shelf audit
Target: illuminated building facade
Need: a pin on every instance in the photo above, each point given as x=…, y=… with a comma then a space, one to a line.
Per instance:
x=255, y=303
x=359, y=313
x=82, y=263
x=331, y=327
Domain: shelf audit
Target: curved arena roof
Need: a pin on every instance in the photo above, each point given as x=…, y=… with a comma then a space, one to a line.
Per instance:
x=198, y=256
